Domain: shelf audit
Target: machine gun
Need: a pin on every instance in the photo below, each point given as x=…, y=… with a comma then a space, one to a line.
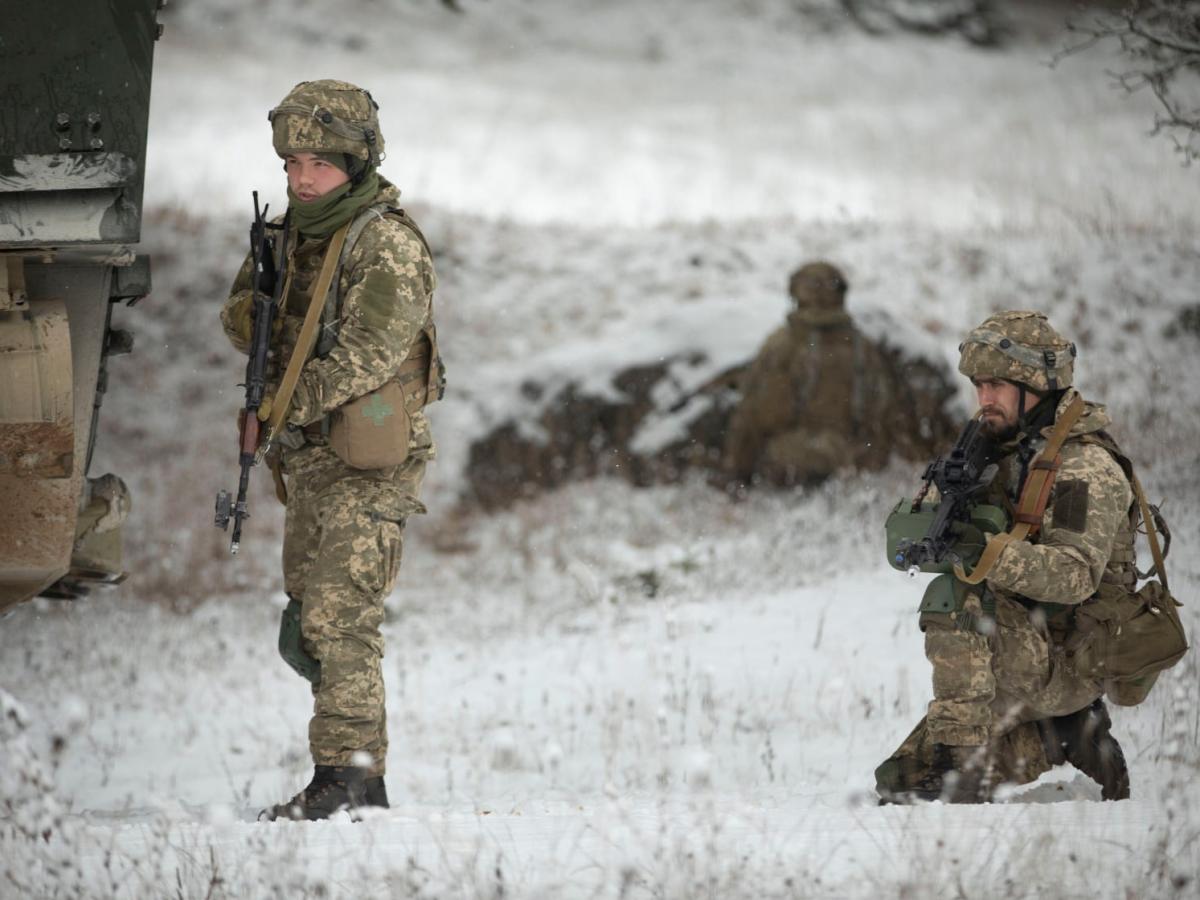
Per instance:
x=959, y=478
x=265, y=308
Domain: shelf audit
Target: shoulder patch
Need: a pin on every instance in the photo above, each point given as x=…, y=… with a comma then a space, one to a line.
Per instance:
x=1071, y=505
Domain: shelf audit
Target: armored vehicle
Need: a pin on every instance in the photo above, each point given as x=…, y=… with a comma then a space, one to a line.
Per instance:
x=74, y=105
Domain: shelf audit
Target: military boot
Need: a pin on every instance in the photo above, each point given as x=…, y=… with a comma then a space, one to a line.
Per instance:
x=376, y=792
x=955, y=775
x=1084, y=739
x=332, y=788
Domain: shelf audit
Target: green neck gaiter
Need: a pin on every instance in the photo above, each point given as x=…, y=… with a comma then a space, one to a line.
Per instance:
x=325, y=215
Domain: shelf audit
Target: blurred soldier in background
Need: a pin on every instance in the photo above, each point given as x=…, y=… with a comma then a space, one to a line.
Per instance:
x=1011, y=695
x=352, y=443
x=818, y=397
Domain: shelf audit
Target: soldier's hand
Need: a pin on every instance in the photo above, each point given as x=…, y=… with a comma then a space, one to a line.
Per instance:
x=264, y=408
x=240, y=315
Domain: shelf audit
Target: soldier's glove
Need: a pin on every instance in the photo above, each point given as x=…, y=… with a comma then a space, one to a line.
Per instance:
x=264, y=408
x=240, y=316
x=968, y=544
x=291, y=644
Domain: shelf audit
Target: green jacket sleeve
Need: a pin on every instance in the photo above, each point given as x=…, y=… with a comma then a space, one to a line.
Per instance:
x=1090, y=501
x=387, y=285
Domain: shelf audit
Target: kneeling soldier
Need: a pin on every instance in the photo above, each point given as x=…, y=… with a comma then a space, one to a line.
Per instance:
x=1008, y=699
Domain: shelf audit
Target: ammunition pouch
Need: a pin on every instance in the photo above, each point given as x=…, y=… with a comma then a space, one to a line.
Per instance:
x=1125, y=639
x=373, y=431
x=905, y=524
x=291, y=644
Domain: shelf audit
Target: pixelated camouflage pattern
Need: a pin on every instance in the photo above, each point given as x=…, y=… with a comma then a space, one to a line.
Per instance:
x=964, y=685
x=305, y=133
x=343, y=541
x=1025, y=328
x=1018, y=756
x=993, y=671
x=818, y=286
x=344, y=526
x=386, y=287
x=1065, y=565
x=1059, y=566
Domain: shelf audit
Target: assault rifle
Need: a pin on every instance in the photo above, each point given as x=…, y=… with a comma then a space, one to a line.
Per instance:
x=959, y=477
x=265, y=306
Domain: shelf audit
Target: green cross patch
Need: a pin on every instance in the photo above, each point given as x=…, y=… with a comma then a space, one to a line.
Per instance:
x=377, y=410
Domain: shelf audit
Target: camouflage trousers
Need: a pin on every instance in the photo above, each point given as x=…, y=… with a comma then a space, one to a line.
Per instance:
x=343, y=537
x=991, y=674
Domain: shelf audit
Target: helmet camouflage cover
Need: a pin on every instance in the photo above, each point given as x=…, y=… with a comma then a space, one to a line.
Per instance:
x=1020, y=346
x=818, y=285
x=328, y=117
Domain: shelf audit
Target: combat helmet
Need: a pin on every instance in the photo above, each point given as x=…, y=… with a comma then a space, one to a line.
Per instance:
x=1019, y=346
x=328, y=117
x=818, y=286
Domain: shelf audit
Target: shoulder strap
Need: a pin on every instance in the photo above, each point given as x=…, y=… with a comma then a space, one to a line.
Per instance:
x=1151, y=533
x=333, y=303
x=423, y=375
x=1105, y=440
x=1034, y=496
x=1141, y=509
x=306, y=338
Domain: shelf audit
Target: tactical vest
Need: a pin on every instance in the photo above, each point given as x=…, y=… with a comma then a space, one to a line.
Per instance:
x=1121, y=568
x=421, y=375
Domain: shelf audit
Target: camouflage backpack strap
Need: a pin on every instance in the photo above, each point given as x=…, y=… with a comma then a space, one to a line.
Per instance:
x=331, y=316
x=1034, y=496
x=422, y=375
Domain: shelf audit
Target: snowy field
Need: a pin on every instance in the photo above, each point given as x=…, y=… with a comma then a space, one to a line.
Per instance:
x=610, y=692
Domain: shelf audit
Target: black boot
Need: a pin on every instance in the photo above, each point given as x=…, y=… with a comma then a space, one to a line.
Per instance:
x=376, y=792
x=332, y=788
x=1084, y=739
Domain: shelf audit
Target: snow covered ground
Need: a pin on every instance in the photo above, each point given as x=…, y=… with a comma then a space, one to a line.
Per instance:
x=610, y=692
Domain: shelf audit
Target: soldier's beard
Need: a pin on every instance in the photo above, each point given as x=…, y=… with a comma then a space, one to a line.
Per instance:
x=998, y=426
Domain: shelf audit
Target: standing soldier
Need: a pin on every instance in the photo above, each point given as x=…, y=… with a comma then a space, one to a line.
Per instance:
x=1008, y=700
x=351, y=441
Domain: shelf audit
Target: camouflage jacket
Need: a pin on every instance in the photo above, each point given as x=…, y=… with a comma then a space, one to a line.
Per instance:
x=385, y=288
x=1086, y=535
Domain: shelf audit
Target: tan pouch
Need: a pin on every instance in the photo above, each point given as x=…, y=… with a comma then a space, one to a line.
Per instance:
x=372, y=432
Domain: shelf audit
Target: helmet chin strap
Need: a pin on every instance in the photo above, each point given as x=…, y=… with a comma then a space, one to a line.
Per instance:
x=1021, y=423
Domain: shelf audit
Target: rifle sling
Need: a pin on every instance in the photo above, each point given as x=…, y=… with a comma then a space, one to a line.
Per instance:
x=306, y=339
x=1034, y=496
